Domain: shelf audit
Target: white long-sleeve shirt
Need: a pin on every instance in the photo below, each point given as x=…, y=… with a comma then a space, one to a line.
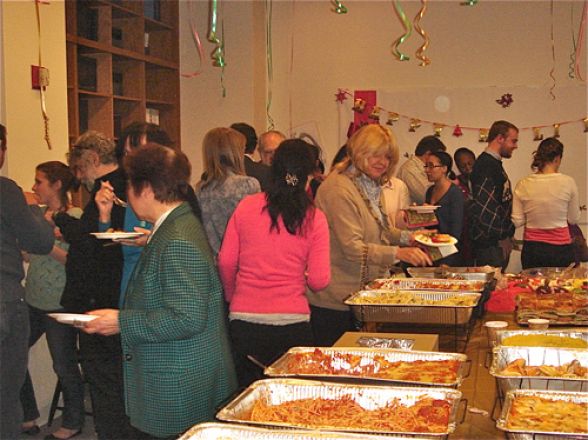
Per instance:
x=546, y=201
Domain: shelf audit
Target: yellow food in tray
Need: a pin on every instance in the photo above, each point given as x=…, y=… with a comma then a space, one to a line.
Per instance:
x=571, y=370
x=544, y=341
x=537, y=414
x=411, y=299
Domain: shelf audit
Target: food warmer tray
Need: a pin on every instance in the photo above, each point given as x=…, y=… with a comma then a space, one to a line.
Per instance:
x=411, y=314
x=278, y=391
x=503, y=355
x=229, y=431
x=427, y=284
x=485, y=273
x=502, y=422
x=280, y=367
x=558, y=272
x=579, y=333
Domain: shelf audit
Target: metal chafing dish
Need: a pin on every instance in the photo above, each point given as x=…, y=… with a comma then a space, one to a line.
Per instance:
x=408, y=313
x=229, y=431
x=578, y=333
x=485, y=273
x=502, y=422
x=278, y=391
x=427, y=284
x=536, y=356
x=281, y=368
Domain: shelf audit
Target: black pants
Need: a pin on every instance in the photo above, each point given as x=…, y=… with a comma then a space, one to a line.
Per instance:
x=101, y=359
x=329, y=325
x=489, y=256
x=265, y=343
x=538, y=254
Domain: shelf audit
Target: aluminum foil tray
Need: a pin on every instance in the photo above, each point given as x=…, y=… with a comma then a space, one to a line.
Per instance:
x=578, y=272
x=427, y=284
x=280, y=368
x=229, y=431
x=277, y=391
x=503, y=355
x=501, y=423
x=570, y=333
x=411, y=314
x=485, y=273
x=371, y=342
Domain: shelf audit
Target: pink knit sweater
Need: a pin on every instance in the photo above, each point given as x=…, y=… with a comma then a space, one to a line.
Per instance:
x=268, y=272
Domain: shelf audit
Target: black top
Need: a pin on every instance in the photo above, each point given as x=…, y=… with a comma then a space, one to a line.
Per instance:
x=258, y=170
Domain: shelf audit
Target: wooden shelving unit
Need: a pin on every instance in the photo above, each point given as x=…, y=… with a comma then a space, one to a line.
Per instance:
x=122, y=64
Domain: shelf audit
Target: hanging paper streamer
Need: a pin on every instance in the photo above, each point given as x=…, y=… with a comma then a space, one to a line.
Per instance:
x=375, y=114
x=420, y=53
x=483, y=135
x=580, y=41
x=338, y=7
x=556, y=130
x=457, y=131
x=42, y=88
x=552, y=71
x=218, y=56
x=270, y=62
x=572, y=64
x=469, y=3
x=537, y=136
x=414, y=124
x=197, y=42
x=408, y=30
x=392, y=118
x=438, y=128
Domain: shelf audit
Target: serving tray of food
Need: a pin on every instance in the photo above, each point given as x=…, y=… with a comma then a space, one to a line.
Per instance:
x=539, y=415
x=331, y=406
x=421, y=307
x=427, y=284
x=561, y=338
x=230, y=431
x=482, y=273
x=389, y=365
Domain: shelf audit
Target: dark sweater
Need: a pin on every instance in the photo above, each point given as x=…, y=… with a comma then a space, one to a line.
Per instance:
x=450, y=212
x=491, y=207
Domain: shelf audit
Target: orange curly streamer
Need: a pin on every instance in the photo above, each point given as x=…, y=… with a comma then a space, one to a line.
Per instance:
x=420, y=53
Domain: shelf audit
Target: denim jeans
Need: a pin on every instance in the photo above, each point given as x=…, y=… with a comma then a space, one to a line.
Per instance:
x=62, y=342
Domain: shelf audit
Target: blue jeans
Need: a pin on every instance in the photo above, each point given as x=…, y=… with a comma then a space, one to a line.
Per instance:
x=14, y=333
x=62, y=342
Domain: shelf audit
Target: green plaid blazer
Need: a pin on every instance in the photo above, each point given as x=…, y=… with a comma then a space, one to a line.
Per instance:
x=176, y=354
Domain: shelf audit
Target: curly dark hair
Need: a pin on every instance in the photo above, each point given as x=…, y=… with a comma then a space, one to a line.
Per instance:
x=549, y=149
x=286, y=196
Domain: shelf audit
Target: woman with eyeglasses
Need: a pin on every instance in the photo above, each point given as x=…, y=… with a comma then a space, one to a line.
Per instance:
x=448, y=196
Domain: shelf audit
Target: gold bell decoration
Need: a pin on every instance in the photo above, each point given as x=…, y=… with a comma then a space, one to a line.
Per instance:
x=537, y=136
x=359, y=105
x=556, y=130
x=393, y=117
x=483, y=135
x=375, y=114
x=585, y=125
x=438, y=128
x=414, y=124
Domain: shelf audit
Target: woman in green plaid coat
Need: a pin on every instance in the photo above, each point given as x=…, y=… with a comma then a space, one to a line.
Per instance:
x=177, y=359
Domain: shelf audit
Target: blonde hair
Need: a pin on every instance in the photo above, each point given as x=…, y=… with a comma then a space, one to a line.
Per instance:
x=222, y=152
x=371, y=140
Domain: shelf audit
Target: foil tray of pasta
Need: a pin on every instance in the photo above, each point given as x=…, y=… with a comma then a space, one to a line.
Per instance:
x=394, y=366
x=541, y=415
x=231, y=431
x=414, y=307
x=482, y=273
x=331, y=406
x=540, y=368
x=560, y=338
x=427, y=284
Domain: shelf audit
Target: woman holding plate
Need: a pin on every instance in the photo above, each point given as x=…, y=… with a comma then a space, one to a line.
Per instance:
x=363, y=245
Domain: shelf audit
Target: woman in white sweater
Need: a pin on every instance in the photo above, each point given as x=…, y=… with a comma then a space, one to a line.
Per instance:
x=545, y=202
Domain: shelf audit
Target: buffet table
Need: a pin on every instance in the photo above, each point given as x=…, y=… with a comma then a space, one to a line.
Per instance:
x=422, y=342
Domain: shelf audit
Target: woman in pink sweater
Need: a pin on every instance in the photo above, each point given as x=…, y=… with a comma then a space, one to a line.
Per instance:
x=275, y=246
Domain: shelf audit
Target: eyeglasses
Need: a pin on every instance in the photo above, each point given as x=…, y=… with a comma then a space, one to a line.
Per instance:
x=430, y=165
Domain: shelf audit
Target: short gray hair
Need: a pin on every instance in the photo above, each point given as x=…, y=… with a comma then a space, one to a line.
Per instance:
x=94, y=141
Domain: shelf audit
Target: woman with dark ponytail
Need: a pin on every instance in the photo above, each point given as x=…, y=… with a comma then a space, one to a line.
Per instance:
x=275, y=246
x=545, y=202
x=448, y=197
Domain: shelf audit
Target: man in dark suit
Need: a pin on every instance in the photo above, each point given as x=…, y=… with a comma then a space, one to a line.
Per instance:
x=252, y=168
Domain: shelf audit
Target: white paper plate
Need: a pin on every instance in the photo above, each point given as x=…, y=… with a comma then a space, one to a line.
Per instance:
x=72, y=318
x=423, y=208
x=424, y=239
x=116, y=235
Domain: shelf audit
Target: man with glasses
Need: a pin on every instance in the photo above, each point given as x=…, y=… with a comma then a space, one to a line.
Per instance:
x=412, y=172
x=491, y=227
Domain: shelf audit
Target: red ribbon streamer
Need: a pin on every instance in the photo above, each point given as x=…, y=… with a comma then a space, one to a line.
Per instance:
x=197, y=41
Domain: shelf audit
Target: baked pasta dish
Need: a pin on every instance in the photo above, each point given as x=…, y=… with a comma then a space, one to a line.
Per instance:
x=318, y=362
x=426, y=415
x=572, y=370
x=444, y=285
x=406, y=298
x=537, y=414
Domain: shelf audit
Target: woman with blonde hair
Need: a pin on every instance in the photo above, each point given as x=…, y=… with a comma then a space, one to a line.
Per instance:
x=363, y=244
x=224, y=182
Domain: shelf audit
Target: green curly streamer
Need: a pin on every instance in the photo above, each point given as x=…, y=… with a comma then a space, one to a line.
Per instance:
x=218, y=55
x=407, y=27
x=339, y=7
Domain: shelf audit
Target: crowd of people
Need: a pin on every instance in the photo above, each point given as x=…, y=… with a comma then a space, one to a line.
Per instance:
x=225, y=276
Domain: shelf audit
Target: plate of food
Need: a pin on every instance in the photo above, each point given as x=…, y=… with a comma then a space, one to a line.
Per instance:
x=435, y=239
x=116, y=235
x=77, y=319
x=423, y=208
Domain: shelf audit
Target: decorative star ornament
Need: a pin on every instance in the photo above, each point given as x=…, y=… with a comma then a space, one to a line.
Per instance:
x=340, y=96
x=505, y=100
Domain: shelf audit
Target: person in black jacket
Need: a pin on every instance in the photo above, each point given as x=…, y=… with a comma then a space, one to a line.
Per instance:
x=22, y=228
x=255, y=169
x=93, y=277
x=492, y=230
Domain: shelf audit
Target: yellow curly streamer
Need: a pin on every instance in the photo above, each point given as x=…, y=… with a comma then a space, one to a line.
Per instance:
x=420, y=53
